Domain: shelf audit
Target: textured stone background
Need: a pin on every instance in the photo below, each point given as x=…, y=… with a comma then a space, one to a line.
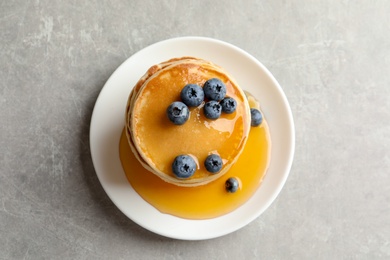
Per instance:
x=332, y=59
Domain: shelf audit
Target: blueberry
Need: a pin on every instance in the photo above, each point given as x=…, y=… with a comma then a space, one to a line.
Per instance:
x=213, y=163
x=232, y=185
x=183, y=166
x=212, y=109
x=178, y=113
x=192, y=95
x=214, y=89
x=229, y=105
x=256, y=117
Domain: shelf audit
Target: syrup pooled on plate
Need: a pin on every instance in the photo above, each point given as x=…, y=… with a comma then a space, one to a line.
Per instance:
x=210, y=200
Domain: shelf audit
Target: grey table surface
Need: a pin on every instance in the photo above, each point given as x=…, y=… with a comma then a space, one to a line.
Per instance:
x=332, y=59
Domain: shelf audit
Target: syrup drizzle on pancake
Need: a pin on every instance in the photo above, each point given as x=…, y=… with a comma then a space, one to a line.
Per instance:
x=155, y=141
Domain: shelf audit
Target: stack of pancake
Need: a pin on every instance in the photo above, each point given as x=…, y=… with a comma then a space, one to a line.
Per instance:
x=156, y=141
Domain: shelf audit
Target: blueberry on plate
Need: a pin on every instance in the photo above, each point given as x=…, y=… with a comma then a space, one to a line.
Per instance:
x=178, y=113
x=214, y=89
x=213, y=163
x=212, y=109
x=183, y=166
x=232, y=185
x=256, y=117
x=229, y=105
x=192, y=95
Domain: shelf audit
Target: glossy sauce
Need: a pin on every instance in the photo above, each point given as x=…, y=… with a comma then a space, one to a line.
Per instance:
x=159, y=141
x=206, y=201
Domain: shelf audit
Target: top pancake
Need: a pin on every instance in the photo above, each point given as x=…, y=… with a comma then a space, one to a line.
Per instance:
x=156, y=141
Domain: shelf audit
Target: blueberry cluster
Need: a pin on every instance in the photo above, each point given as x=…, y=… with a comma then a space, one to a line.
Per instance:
x=215, y=91
x=216, y=103
x=193, y=95
x=184, y=166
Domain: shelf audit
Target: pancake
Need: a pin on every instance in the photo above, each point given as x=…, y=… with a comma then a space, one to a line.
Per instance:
x=155, y=141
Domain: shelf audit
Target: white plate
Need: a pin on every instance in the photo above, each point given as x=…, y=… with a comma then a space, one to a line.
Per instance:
x=108, y=121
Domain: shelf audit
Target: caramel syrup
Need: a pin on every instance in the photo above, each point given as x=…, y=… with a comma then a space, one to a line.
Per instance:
x=206, y=201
